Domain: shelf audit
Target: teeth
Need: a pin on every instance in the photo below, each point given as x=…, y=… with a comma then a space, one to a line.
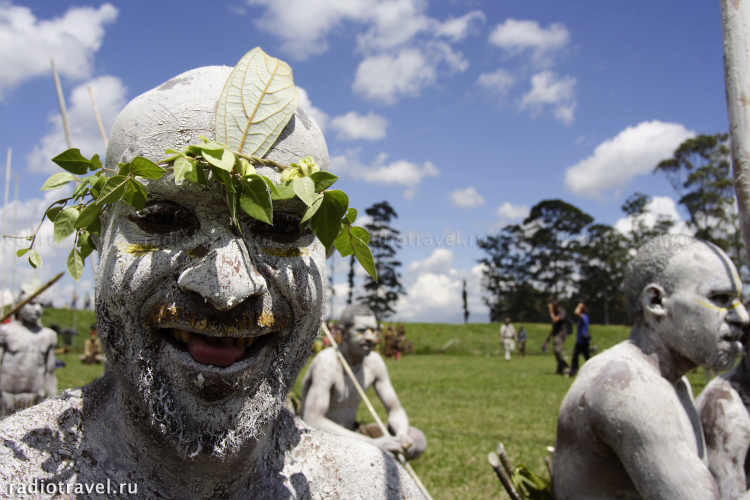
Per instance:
x=185, y=336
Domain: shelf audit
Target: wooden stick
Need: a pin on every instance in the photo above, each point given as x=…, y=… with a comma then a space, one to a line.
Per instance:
x=503, y=477
x=504, y=459
x=98, y=117
x=380, y=423
x=736, y=21
x=63, y=109
x=5, y=220
x=31, y=297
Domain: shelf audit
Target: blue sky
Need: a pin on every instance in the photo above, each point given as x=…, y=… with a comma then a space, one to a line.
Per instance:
x=462, y=114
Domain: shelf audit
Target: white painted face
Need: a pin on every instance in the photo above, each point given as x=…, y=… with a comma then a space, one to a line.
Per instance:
x=361, y=335
x=705, y=312
x=31, y=313
x=212, y=327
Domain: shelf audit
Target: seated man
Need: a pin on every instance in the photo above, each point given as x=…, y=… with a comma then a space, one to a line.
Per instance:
x=628, y=427
x=724, y=408
x=330, y=400
x=27, y=360
x=205, y=329
x=92, y=349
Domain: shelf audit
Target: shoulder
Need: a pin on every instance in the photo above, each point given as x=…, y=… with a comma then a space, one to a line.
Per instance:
x=722, y=410
x=337, y=467
x=325, y=360
x=40, y=441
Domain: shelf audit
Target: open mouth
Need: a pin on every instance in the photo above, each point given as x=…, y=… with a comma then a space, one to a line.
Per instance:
x=213, y=350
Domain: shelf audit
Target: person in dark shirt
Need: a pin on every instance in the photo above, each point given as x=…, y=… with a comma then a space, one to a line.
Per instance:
x=560, y=331
x=583, y=338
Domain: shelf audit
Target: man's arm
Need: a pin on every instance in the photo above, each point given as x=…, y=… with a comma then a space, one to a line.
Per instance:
x=323, y=375
x=397, y=418
x=646, y=426
x=726, y=425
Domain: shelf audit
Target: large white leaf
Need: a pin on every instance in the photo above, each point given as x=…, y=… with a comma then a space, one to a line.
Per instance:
x=256, y=103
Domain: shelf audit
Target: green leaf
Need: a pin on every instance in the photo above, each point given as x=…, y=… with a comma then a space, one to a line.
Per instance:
x=182, y=167
x=323, y=180
x=271, y=186
x=284, y=191
x=364, y=256
x=113, y=190
x=22, y=252
x=223, y=176
x=65, y=223
x=233, y=201
x=256, y=200
x=135, y=194
x=124, y=168
x=73, y=161
x=361, y=233
x=86, y=244
x=75, y=264
x=343, y=242
x=256, y=103
x=53, y=212
x=314, y=206
x=221, y=158
x=96, y=163
x=83, y=189
x=144, y=167
x=97, y=183
x=35, y=259
x=304, y=188
x=57, y=181
x=88, y=215
x=351, y=215
x=327, y=220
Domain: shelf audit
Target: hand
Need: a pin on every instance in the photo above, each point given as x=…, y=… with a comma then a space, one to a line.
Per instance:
x=407, y=443
x=390, y=444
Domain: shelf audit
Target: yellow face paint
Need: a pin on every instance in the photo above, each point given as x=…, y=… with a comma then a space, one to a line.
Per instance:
x=735, y=304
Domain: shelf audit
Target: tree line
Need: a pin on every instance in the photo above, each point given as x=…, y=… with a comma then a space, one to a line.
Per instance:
x=561, y=252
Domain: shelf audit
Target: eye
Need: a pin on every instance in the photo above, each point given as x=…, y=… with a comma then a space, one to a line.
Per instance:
x=721, y=298
x=285, y=228
x=162, y=217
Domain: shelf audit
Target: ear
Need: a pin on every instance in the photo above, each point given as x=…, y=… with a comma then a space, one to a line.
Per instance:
x=652, y=300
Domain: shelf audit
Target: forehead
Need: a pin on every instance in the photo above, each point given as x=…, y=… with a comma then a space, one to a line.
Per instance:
x=364, y=322
x=703, y=267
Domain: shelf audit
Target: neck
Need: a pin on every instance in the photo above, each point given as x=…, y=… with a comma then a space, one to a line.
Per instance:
x=671, y=365
x=352, y=356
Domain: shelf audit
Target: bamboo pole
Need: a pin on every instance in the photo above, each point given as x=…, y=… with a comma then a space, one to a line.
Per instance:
x=380, y=423
x=31, y=297
x=5, y=223
x=63, y=109
x=98, y=117
x=736, y=22
x=15, y=231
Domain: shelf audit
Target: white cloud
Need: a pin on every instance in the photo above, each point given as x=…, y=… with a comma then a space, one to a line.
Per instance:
x=320, y=116
x=109, y=93
x=458, y=28
x=467, y=198
x=660, y=207
x=440, y=261
x=615, y=162
x=399, y=172
x=516, y=36
x=547, y=89
x=27, y=43
x=497, y=83
x=353, y=126
x=509, y=211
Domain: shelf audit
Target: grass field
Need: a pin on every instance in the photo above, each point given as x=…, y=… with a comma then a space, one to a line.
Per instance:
x=465, y=400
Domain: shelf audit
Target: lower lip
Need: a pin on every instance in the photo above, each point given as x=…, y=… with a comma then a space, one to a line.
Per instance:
x=241, y=364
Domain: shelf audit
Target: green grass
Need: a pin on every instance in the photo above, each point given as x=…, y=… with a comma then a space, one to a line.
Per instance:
x=466, y=400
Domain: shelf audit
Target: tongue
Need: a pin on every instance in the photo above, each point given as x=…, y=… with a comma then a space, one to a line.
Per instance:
x=208, y=354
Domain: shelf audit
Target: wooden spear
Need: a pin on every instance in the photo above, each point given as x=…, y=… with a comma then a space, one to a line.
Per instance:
x=31, y=297
x=380, y=423
x=98, y=118
x=63, y=108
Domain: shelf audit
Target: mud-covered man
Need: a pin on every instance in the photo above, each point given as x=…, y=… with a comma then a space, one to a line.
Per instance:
x=330, y=401
x=205, y=329
x=628, y=427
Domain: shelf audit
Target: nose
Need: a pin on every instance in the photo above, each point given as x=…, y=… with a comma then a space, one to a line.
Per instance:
x=225, y=277
x=738, y=314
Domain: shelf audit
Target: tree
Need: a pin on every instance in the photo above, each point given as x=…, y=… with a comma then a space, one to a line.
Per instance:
x=351, y=281
x=700, y=172
x=635, y=208
x=381, y=295
x=466, y=304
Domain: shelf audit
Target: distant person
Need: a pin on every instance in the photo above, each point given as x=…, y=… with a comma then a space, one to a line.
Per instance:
x=92, y=348
x=561, y=328
x=583, y=337
x=509, y=337
x=27, y=360
x=330, y=401
x=389, y=347
x=523, y=337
